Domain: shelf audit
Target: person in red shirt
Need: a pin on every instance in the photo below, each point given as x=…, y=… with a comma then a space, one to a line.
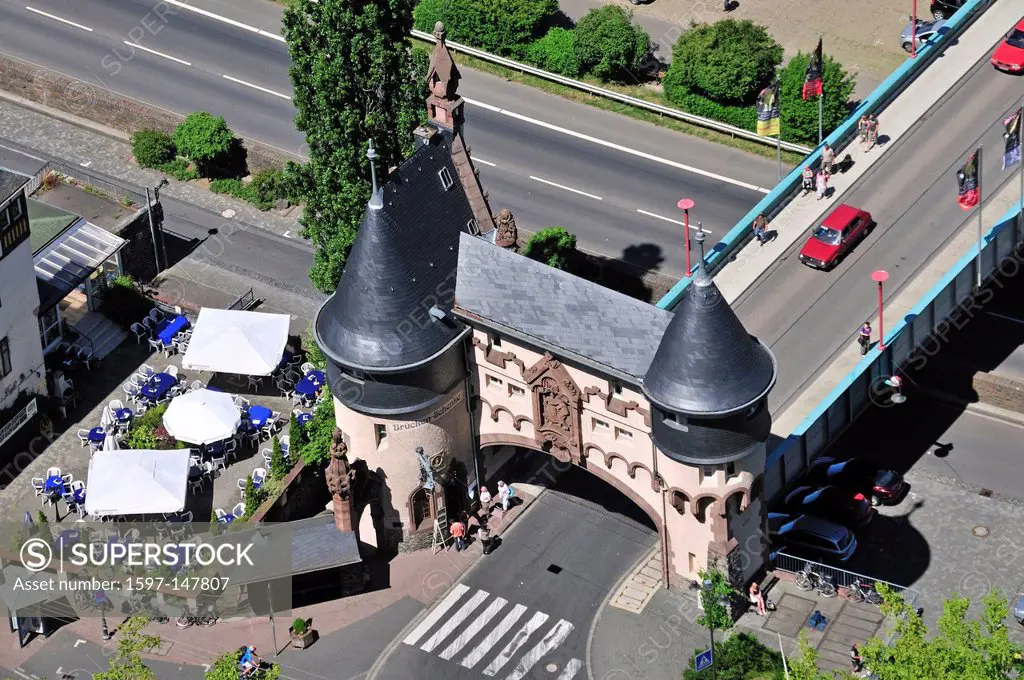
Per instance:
x=458, y=532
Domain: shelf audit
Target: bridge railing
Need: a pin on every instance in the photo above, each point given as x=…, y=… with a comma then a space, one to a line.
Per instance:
x=874, y=103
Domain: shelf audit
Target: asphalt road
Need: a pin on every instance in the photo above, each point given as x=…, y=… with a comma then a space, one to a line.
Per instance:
x=545, y=572
x=551, y=161
x=807, y=316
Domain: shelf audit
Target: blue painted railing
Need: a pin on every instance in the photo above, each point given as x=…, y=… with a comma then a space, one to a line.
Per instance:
x=857, y=390
x=775, y=201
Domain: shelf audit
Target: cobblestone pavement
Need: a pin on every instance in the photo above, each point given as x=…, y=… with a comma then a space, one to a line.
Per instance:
x=107, y=151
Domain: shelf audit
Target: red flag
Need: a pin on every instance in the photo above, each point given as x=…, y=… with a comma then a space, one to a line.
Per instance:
x=813, y=84
x=967, y=183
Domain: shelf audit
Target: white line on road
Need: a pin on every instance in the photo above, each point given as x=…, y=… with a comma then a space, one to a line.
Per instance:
x=57, y=18
x=455, y=621
x=562, y=186
x=555, y=637
x=218, y=17
x=481, y=160
x=257, y=87
x=669, y=219
x=619, y=147
x=571, y=669
x=485, y=646
x=517, y=642
x=1006, y=318
x=440, y=609
x=473, y=628
x=159, y=54
x=79, y=641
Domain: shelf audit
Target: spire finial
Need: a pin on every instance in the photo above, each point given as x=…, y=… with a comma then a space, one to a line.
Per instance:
x=700, y=238
x=439, y=31
x=371, y=154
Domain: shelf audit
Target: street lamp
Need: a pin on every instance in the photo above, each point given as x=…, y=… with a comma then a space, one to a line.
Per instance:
x=685, y=204
x=880, y=277
x=722, y=601
x=913, y=30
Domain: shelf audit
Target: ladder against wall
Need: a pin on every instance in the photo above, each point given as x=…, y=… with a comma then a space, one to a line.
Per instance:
x=441, y=535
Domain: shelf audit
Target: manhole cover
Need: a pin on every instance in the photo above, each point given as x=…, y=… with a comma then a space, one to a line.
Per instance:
x=980, y=531
x=551, y=668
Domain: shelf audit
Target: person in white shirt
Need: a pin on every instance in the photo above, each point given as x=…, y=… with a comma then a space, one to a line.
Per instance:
x=504, y=495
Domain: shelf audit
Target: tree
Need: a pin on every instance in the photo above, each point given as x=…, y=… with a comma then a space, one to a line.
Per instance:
x=728, y=61
x=204, y=139
x=251, y=497
x=609, y=45
x=740, y=657
x=152, y=148
x=352, y=72
x=226, y=668
x=715, y=614
x=799, y=118
x=296, y=434
x=804, y=665
x=126, y=663
x=555, y=52
x=319, y=433
x=554, y=246
x=961, y=648
x=504, y=27
x=278, y=466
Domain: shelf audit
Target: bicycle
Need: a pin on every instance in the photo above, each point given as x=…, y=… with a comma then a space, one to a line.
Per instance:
x=807, y=580
x=860, y=591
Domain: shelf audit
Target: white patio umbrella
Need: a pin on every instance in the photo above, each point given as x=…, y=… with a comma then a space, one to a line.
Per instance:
x=233, y=341
x=110, y=443
x=202, y=417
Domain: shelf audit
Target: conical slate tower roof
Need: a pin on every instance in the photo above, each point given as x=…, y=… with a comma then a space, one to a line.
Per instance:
x=707, y=363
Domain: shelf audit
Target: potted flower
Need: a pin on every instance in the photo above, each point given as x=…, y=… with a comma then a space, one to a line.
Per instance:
x=301, y=633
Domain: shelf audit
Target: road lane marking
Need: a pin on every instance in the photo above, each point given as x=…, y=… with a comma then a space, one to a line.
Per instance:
x=473, y=628
x=517, y=642
x=455, y=621
x=257, y=87
x=565, y=188
x=669, y=219
x=436, y=613
x=1005, y=317
x=159, y=54
x=556, y=636
x=619, y=147
x=571, y=669
x=485, y=646
x=57, y=18
x=481, y=160
x=218, y=17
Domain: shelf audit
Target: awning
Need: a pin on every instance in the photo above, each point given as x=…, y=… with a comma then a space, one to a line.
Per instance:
x=232, y=341
x=68, y=260
x=137, y=482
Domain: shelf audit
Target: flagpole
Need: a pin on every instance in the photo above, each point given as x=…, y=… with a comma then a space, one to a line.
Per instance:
x=821, y=95
x=1020, y=213
x=981, y=200
x=778, y=149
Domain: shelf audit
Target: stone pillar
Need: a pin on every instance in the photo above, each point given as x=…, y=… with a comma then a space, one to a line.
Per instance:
x=339, y=483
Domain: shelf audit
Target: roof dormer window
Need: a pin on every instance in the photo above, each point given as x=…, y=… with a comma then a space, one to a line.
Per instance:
x=446, y=178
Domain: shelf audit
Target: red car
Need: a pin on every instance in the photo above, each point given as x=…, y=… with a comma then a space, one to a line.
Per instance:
x=843, y=227
x=1009, y=56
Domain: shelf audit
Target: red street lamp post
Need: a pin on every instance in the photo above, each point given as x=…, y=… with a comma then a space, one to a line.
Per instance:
x=880, y=277
x=685, y=204
x=913, y=30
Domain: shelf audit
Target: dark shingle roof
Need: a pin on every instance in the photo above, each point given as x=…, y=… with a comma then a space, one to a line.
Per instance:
x=707, y=363
x=402, y=264
x=11, y=183
x=552, y=309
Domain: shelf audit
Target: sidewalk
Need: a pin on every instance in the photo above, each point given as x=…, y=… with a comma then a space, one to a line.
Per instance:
x=792, y=223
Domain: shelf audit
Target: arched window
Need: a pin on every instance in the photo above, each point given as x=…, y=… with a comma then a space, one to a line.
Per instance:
x=733, y=503
x=702, y=508
x=422, y=509
x=680, y=502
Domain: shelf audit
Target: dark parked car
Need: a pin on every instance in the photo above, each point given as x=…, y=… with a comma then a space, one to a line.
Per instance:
x=834, y=503
x=944, y=9
x=879, y=485
x=805, y=534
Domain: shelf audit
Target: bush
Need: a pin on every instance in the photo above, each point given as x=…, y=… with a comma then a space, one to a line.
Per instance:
x=226, y=668
x=204, y=139
x=180, y=170
x=555, y=52
x=799, y=118
x=554, y=246
x=503, y=27
x=278, y=465
x=741, y=116
x=742, y=657
x=320, y=433
x=268, y=186
x=609, y=45
x=152, y=148
x=299, y=626
x=728, y=62
x=296, y=434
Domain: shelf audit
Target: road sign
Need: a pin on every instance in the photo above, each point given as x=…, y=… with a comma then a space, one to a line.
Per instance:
x=703, y=660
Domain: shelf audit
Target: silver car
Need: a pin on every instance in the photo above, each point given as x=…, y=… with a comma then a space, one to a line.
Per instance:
x=925, y=31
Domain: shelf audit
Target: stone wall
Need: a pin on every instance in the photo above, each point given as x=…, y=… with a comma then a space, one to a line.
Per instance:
x=57, y=91
x=137, y=255
x=303, y=494
x=996, y=390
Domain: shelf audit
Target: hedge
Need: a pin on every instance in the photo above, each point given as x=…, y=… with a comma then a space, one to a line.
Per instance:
x=555, y=52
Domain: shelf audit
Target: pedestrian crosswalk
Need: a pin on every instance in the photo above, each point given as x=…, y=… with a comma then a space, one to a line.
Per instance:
x=474, y=631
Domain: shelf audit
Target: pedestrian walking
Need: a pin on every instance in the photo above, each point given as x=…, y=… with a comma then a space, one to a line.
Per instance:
x=485, y=502
x=864, y=338
x=485, y=540
x=862, y=131
x=872, y=131
x=828, y=159
x=505, y=494
x=761, y=228
x=821, y=182
x=458, y=532
x=856, y=660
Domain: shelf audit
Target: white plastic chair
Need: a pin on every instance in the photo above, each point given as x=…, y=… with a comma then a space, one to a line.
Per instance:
x=197, y=385
x=219, y=462
x=149, y=323
x=195, y=484
x=259, y=475
x=141, y=332
x=68, y=478
x=220, y=514
x=85, y=356
x=83, y=437
x=52, y=472
x=156, y=315
x=231, y=450
x=242, y=402
x=238, y=510
x=38, y=483
x=155, y=345
x=146, y=370
x=267, y=455
x=171, y=370
x=307, y=367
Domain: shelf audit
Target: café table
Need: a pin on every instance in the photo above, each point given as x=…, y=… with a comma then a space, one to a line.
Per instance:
x=158, y=386
x=97, y=435
x=259, y=415
x=54, y=485
x=168, y=328
x=304, y=418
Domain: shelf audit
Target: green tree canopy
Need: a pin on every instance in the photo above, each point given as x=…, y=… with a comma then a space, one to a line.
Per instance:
x=226, y=668
x=961, y=648
x=740, y=657
x=799, y=118
x=556, y=52
x=126, y=663
x=609, y=45
x=504, y=27
x=715, y=614
x=353, y=79
x=203, y=138
x=554, y=246
x=728, y=61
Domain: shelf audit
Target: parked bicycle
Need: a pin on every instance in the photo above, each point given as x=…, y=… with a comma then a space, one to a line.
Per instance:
x=188, y=619
x=808, y=579
x=861, y=591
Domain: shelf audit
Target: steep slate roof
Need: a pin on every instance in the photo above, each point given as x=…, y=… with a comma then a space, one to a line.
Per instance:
x=552, y=309
x=11, y=183
x=707, y=363
x=402, y=264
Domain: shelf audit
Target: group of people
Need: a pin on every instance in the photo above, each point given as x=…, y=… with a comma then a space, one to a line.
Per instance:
x=867, y=129
x=459, y=529
x=818, y=181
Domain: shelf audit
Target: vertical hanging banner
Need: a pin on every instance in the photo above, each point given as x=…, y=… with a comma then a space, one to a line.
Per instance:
x=813, y=82
x=1011, y=152
x=967, y=183
x=768, y=111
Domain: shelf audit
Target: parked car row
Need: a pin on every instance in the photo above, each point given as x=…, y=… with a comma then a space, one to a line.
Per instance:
x=818, y=519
